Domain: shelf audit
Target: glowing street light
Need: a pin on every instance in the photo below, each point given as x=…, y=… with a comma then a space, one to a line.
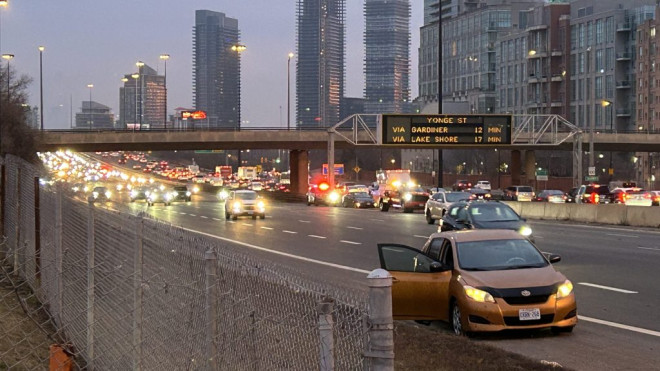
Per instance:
x=91, y=117
x=165, y=57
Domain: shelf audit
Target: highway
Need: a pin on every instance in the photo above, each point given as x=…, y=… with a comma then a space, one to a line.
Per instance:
x=614, y=270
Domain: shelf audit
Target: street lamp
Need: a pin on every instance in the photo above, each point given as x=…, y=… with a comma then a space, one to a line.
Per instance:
x=605, y=103
x=8, y=57
x=91, y=117
x=238, y=48
x=135, y=77
x=139, y=65
x=165, y=57
x=288, y=91
x=123, y=103
x=41, y=85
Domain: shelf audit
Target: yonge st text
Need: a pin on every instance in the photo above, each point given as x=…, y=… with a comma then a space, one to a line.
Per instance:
x=446, y=130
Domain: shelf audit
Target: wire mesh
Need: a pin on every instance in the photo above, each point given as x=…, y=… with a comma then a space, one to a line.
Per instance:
x=127, y=291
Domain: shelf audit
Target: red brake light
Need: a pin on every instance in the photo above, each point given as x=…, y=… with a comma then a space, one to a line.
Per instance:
x=324, y=186
x=647, y=195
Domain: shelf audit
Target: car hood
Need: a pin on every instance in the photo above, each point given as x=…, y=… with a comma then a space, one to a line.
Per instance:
x=513, y=278
x=513, y=225
x=363, y=199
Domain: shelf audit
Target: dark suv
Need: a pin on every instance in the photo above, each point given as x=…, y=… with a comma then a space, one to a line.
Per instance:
x=483, y=215
x=593, y=194
x=461, y=185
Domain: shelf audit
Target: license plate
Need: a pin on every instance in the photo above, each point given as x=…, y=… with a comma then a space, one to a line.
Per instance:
x=529, y=314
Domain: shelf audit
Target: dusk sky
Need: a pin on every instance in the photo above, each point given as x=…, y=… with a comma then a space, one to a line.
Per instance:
x=98, y=42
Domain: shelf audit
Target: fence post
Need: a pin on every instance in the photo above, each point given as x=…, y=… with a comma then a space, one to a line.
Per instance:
x=57, y=234
x=327, y=341
x=37, y=230
x=90, y=288
x=380, y=350
x=211, y=266
x=137, y=292
x=17, y=226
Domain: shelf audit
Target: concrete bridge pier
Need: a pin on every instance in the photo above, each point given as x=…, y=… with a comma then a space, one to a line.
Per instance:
x=298, y=163
x=515, y=167
x=530, y=167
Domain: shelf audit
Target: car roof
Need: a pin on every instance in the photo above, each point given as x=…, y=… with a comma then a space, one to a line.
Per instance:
x=244, y=191
x=480, y=235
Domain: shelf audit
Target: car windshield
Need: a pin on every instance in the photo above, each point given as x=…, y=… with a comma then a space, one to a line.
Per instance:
x=525, y=189
x=494, y=212
x=360, y=194
x=492, y=255
x=100, y=189
x=246, y=195
x=459, y=196
x=181, y=189
x=553, y=192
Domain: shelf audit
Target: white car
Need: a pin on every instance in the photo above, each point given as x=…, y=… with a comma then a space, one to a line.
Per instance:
x=244, y=202
x=639, y=198
x=483, y=184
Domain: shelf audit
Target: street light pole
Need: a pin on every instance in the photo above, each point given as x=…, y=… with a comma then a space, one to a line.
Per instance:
x=139, y=65
x=440, y=159
x=135, y=77
x=165, y=57
x=41, y=86
x=91, y=117
x=605, y=104
x=238, y=48
x=288, y=91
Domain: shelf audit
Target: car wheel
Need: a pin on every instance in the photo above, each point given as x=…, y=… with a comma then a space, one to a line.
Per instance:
x=234, y=217
x=262, y=216
x=456, y=322
x=254, y=217
x=407, y=211
x=559, y=330
x=309, y=201
x=384, y=206
x=344, y=204
x=429, y=219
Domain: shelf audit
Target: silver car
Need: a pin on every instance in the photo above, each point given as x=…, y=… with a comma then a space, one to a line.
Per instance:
x=244, y=203
x=438, y=203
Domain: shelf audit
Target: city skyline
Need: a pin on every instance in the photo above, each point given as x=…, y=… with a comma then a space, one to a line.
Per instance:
x=93, y=44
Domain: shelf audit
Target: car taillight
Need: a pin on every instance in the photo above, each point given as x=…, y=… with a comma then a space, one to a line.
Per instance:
x=646, y=195
x=595, y=197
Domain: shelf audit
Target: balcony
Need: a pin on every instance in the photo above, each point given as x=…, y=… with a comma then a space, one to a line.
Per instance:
x=623, y=85
x=537, y=53
x=538, y=27
x=556, y=103
x=624, y=56
x=624, y=27
x=556, y=53
x=557, y=78
x=623, y=112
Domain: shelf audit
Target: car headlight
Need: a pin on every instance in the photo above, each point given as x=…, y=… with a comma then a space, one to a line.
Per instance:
x=525, y=231
x=411, y=184
x=95, y=194
x=236, y=206
x=195, y=189
x=564, y=289
x=119, y=187
x=261, y=206
x=133, y=194
x=168, y=196
x=478, y=295
x=333, y=196
x=223, y=195
x=108, y=194
x=188, y=193
x=407, y=197
x=75, y=189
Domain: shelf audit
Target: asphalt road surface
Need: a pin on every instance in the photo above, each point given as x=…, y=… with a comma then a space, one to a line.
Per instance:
x=614, y=270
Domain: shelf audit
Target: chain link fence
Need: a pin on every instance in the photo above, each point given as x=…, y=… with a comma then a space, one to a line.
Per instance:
x=122, y=291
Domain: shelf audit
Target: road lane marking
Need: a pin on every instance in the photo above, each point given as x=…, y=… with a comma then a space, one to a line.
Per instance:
x=304, y=221
x=182, y=213
x=192, y=214
x=268, y=228
x=290, y=232
x=607, y=288
x=621, y=235
x=618, y=325
x=418, y=236
x=619, y=229
x=247, y=224
x=351, y=242
x=358, y=228
x=216, y=219
x=315, y=236
x=378, y=220
x=648, y=248
x=203, y=217
x=302, y=258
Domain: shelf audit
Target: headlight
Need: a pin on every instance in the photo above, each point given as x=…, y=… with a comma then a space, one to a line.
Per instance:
x=526, y=231
x=119, y=187
x=168, y=196
x=223, y=195
x=478, y=295
x=564, y=289
x=188, y=193
x=236, y=206
x=133, y=194
x=411, y=184
x=153, y=196
x=261, y=206
x=75, y=189
x=333, y=196
x=95, y=194
x=108, y=194
x=407, y=197
x=195, y=189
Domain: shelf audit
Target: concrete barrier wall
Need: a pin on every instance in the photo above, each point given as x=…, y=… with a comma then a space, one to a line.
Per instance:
x=636, y=216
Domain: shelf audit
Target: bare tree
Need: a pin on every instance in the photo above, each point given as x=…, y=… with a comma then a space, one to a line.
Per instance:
x=17, y=137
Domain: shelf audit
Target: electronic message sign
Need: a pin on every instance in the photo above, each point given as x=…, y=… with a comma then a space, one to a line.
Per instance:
x=195, y=115
x=445, y=130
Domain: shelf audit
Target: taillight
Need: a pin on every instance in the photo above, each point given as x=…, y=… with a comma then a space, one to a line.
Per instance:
x=646, y=195
x=596, y=197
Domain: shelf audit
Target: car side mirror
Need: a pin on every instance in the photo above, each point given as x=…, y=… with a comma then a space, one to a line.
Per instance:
x=437, y=267
x=554, y=258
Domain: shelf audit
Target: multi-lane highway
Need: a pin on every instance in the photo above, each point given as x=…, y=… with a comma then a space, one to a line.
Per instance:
x=614, y=270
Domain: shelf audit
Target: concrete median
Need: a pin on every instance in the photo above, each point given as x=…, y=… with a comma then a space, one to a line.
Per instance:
x=643, y=216
x=611, y=214
x=534, y=210
x=585, y=213
x=557, y=212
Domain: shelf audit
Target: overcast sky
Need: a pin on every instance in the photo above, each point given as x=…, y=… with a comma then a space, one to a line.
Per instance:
x=98, y=41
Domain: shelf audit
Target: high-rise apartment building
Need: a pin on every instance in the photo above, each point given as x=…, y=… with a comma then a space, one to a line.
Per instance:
x=387, y=57
x=320, y=62
x=142, y=99
x=94, y=115
x=216, y=68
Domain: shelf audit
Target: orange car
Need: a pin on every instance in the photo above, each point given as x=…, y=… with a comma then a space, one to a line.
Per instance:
x=479, y=280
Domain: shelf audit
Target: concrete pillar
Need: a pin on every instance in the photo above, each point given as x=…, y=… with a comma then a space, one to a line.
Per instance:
x=298, y=160
x=530, y=167
x=515, y=167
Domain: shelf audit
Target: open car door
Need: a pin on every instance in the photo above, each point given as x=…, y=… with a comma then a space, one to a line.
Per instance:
x=420, y=285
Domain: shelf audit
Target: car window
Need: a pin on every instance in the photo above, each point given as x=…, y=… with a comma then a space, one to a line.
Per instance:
x=457, y=196
x=438, y=197
x=462, y=214
x=454, y=211
x=246, y=196
x=525, y=189
x=499, y=255
x=492, y=212
x=447, y=254
x=404, y=259
x=434, y=248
